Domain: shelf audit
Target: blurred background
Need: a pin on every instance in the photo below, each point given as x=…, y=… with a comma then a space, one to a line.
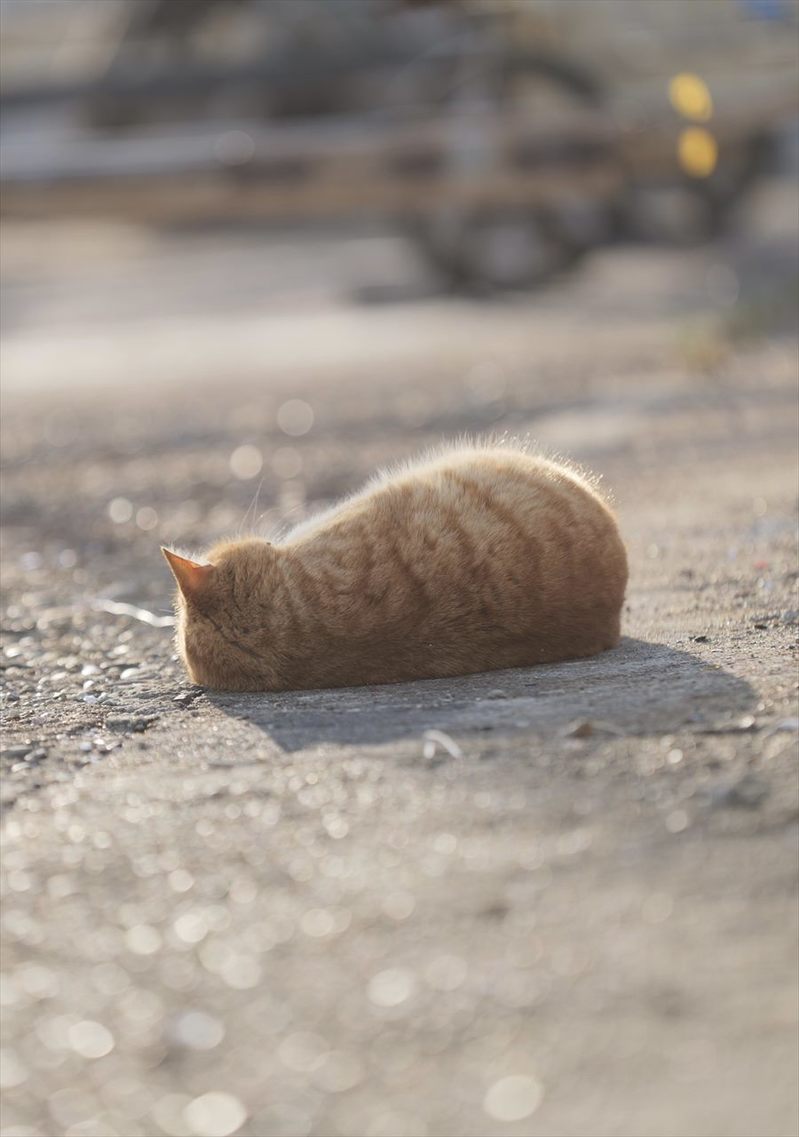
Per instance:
x=505, y=138
x=263, y=205
x=251, y=250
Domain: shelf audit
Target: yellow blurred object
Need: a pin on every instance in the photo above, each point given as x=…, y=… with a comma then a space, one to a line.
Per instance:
x=697, y=151
x=690, y=97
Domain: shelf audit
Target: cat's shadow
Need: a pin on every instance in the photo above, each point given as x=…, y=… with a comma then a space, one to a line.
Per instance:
x=638, y=688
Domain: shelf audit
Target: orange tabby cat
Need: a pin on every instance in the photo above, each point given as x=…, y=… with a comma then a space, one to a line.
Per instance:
x=478, y=558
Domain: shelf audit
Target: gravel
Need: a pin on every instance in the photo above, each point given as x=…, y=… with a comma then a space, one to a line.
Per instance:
x=549, y=901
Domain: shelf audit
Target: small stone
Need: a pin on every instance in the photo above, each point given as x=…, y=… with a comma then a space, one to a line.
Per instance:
x=16, y=752
x=391, y=987
x=435, y=740
x=134, y=723
x=90, y=1039
x=513, y=1098
x=214, y=1114
x=677, y=821
x=700, y=639
x=197, y=1030
x=582, y=729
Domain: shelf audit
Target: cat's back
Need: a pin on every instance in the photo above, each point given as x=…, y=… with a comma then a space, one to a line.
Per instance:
x=473, y=558
x=471, y=482
x=473, y=515
x=474, y=477
x=485, y=493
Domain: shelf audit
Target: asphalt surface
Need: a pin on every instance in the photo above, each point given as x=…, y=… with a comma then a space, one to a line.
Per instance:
x=556, y=901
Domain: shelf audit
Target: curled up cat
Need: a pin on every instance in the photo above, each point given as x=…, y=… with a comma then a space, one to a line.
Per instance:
x=477, y=558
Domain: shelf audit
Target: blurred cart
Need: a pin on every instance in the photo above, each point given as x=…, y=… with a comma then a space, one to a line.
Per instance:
x=503, y=165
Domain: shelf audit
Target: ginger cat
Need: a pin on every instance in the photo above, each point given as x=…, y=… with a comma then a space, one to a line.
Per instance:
x=474, y=559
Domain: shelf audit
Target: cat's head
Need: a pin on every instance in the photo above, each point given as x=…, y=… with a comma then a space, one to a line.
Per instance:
x=223, y=616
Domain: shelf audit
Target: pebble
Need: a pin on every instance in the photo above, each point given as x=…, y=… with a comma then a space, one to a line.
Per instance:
x=579, y=730
x=214, y=1114
x=197, y=1030
x=433, y=740
x=513, y=1098
x=135, y=723
x=15, y=752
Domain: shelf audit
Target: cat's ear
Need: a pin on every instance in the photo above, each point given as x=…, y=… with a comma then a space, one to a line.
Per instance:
x=192, y=578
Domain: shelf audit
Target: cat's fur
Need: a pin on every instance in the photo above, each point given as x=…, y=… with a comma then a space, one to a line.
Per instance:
x=477, y=558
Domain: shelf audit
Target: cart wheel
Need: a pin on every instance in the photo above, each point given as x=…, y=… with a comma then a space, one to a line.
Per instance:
x=518, y=247
x=690, y=211
x=485, y=252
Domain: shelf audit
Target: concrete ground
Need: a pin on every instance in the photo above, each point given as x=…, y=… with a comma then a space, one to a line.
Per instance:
x=557, y=901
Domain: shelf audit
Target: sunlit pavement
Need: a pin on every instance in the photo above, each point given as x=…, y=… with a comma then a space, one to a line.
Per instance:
x=556, y=901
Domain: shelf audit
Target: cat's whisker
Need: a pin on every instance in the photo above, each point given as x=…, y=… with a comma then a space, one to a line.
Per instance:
x=252, y=506
x=116, y=608
x=259, y=520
